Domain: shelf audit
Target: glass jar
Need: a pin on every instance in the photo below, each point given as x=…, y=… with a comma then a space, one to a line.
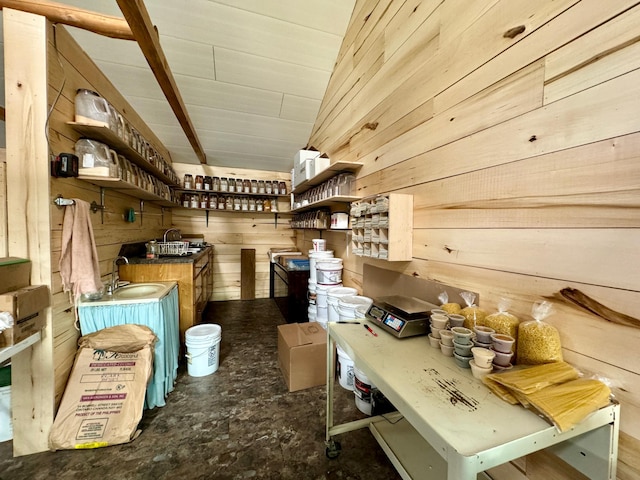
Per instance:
x=228, y=202
x=224, y=185
x=268, y=187
x=267, y=205
x=207, y=182
x=199, y=182
x=282, y=188
x=261, y=188
x=188, y=181
x=186, y=200
x=254, y=186
x=204, y=200
x=246, y=186
x=237, y=205
x=239, y=185
x=222, y=203
x=213, y=201
x=252, y=204
x=275, y=189
x=259, y=205
x=215, y=184
x=231, y=185
x=245, y=204
x=194, y=201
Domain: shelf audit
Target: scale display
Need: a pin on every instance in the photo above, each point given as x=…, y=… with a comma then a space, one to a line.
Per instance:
x=401, y=316
x=394, y=322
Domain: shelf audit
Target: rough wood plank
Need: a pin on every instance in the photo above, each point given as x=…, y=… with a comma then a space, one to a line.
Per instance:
x=248, y=274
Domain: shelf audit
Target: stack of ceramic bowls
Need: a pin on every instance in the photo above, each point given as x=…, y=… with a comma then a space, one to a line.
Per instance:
x=482, y=361
x=462, y=345
x=483, y=336
x=502, y=346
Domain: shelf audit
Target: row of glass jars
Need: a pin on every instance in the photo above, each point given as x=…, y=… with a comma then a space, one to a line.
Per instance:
x=234, y=185
x=229, y=202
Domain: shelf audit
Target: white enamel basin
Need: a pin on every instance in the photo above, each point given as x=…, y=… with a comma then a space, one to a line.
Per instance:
x=139, y=290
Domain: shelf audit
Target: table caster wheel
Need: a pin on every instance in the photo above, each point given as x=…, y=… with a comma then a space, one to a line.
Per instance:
x=333, y=449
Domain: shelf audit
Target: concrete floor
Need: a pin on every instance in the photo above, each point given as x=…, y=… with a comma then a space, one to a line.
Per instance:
x=238, y=423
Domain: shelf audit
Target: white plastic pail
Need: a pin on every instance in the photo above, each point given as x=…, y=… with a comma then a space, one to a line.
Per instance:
x=345, y=370
x=361, y=311
x=321, y=314
x=311, y=296
x=333, y=295
x=319, y=244
x=6, y=426
x=321, y=294
x=203, y=352
x=312, y=312
x=313, y=260
x=329, y=272
x=362, y=387
x=347, y=306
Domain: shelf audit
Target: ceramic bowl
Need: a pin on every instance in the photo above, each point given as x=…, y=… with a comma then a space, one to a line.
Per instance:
x=438, y=311
x=483, y=356
x=461, y=335
x=439, y=321
x=483, y=334
x=480, y=344
x=462, y=361
x=502, y=359
x=463, y=349
x=477, y=371
x=499, y=368
x=447, y=350
x=502, y=343
x=446, y=337
x=434, y=342
x=455, y=320
x=435, y=332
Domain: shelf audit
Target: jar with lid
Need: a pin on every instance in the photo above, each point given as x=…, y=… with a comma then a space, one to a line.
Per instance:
x=207, y=182
x=152, y=249
x=246, y=186
x=245, y=204
x=215, y=184
x=186, y=200
x=239, y=185
x=222, y=203
x=91, y=108
x=204, y=200
x=213, y=201
x=237, y=205
x=268, y=187
x=274, y=204
x=228, y=203
x=188, y=181
x=267, y=205
x=194, y=201
x=254, y=186
x=275, y=189
x=224, y=185
x=252, y=204
x=199, y=182
x=282, y=188
x=261, y=187
x=259, y=205
x=231, y=185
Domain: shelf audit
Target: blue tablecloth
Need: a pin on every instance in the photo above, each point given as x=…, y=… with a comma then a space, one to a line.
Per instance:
x=161, y=317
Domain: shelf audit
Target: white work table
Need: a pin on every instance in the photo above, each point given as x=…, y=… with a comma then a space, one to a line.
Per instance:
x=448, y=424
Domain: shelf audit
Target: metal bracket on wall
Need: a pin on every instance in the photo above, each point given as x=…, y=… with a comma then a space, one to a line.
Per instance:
x=60, y=201
x=141, y=211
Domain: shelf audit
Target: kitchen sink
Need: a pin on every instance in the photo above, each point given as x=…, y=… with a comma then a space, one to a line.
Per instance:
x=133, y=293
x=139, y=290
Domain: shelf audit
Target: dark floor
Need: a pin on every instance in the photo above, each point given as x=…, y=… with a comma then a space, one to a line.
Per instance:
x=240, y=422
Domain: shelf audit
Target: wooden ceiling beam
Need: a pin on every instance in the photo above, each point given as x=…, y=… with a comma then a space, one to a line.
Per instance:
x=107, y=25
x=146, y=35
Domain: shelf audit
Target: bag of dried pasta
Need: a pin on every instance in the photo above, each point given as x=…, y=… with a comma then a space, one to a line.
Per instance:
x=447, y=306
x=473, y=315
x=538, y=342
x=502, y=321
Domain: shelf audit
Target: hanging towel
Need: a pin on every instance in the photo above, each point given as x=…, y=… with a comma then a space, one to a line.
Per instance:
x=79, y=266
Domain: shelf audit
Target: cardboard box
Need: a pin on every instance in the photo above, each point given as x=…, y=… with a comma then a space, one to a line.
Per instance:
x=302, y=355
x=15, y=273
x=26, y=306
x=304, y=155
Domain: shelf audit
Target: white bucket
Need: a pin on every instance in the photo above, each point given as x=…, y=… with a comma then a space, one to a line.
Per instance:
x=321, y=294
x=345, y=370
x=333, y=295
x=347, y=306
x=361, y=311
x=6, y=426
x=321, y=314
x=312, y=313
x=319, y=244
x=329, y=272
x=203, y=352
x=362, y=387
x=313, y=259
x=311, y=296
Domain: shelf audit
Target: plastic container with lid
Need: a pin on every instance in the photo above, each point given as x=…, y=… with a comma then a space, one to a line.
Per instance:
x=222, y=203
x=268, y=187
x=207, y=183
x=282, y=188
x=231, y=185
x=96, y=158
x=261, y=187
x=199, y=182
x=215, y=184
x=224, y=185
x=254, y=186
x=213, y=201
x=188, y=181
x=91, y=108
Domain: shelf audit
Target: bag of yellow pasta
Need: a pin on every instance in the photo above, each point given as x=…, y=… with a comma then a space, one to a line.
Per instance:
x=538, y=342
x=502, y=321
x=473, y=315
x=447, y=306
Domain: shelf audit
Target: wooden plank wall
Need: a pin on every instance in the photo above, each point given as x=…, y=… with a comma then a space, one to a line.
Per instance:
x=69, y=68
x=515, y=126
x=231, y=232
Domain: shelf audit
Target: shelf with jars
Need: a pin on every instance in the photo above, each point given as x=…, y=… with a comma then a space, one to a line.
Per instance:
x=336, y=192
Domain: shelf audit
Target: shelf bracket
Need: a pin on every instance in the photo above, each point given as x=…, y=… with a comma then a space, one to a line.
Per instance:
x=275, y=220
x=207, y=219
x=141, y=211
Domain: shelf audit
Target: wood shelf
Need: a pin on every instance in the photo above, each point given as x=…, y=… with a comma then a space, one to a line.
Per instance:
x=331, y=171
x=232, y=194
x=108, y=136
x=338, y=200
x=124, y=187
x=7, y=352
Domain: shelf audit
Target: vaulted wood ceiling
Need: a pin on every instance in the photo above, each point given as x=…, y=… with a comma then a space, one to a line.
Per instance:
x=252, y=73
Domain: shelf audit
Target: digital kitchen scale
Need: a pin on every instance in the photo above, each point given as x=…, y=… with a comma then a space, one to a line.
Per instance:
x=401, y=316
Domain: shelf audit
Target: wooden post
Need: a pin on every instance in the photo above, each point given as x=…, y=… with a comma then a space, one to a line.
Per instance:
x=248, y=274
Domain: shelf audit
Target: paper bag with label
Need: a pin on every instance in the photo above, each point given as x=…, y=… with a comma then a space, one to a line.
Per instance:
x=104, y=398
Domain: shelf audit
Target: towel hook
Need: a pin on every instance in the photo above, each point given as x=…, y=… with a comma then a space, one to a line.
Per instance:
x=60, y=201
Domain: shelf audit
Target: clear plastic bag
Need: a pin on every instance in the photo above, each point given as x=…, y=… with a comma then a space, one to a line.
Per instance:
x=447, y=306
x=474, y=315
x=502, y=321
x=538, y=341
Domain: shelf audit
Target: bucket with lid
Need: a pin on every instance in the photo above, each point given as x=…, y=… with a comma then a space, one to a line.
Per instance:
x=361, y=311
x=312, y=312
x=313, y=259
x=321, y=294
x=347, y=306
x=362, y=388
x=311, y=296
x=344, y=368
x=203, y=352
x=333, y=295
x=321, y=314
x=329, y=272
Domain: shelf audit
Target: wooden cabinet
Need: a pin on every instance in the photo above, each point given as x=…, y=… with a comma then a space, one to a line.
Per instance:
x=289, y=290
x=194, y=276
x=381, y=227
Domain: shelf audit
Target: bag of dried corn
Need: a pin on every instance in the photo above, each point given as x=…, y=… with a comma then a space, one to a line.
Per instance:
x=474, y=315
x=538, y=342
x=502, y=321
x=447, y=306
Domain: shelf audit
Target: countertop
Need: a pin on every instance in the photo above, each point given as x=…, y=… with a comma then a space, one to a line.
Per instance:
x=140, y=258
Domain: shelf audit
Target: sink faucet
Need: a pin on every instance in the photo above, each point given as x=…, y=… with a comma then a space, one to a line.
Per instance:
x=114, y=274
x=164, y=237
